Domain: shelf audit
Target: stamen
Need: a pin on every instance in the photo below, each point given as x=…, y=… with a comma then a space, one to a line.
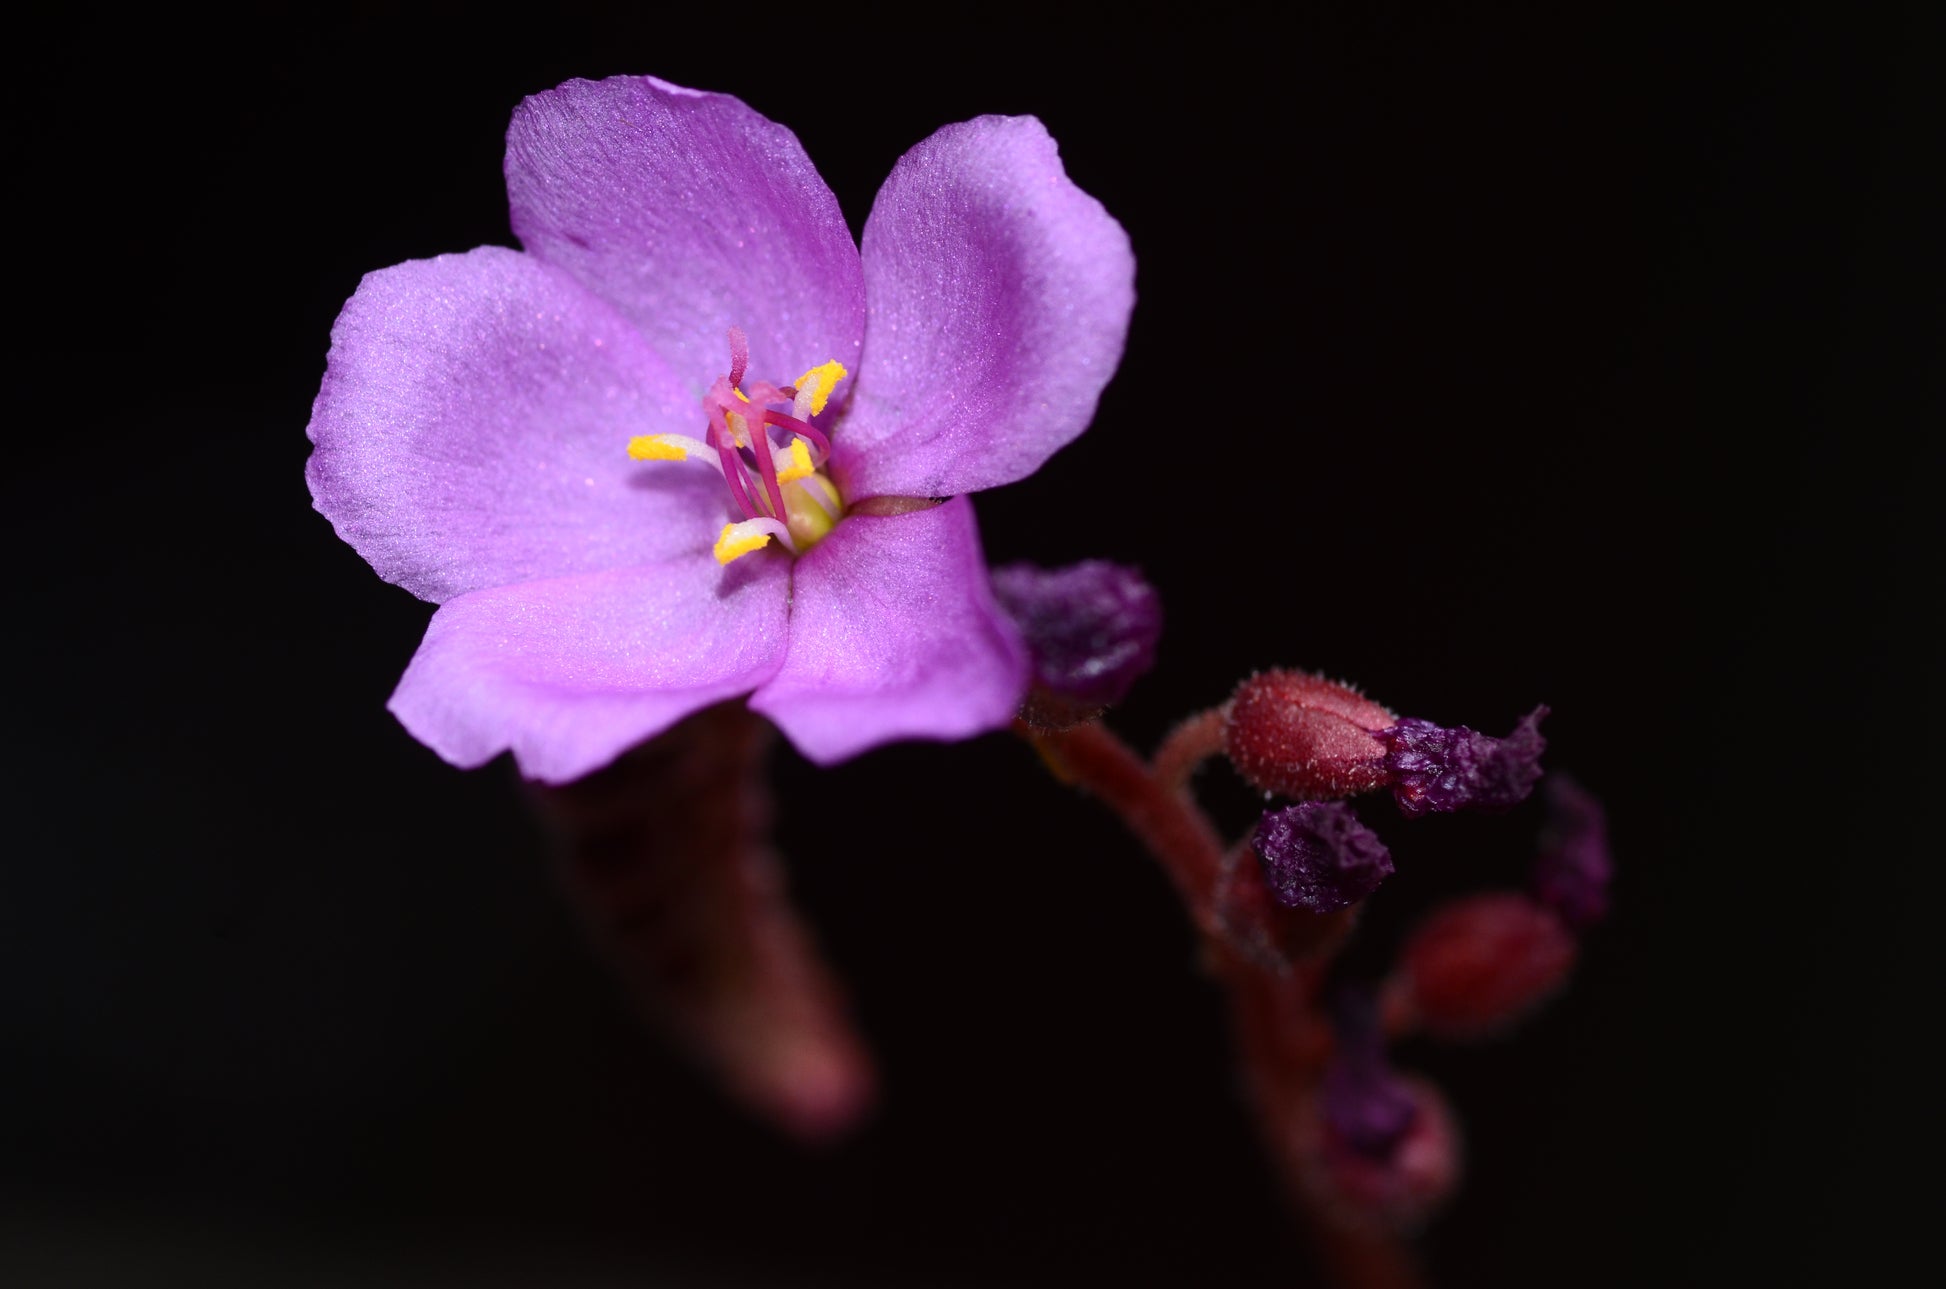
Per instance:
x=800, y=466
x=667, y=447
x=775, y=484
x=738, y=540
x=732, y=465
x=814, y=389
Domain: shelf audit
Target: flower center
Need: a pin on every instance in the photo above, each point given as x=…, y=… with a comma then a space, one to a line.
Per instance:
x=777, y=482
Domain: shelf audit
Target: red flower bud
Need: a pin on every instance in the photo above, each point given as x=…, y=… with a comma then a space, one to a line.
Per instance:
x=1305, y=737
x=1482, y=962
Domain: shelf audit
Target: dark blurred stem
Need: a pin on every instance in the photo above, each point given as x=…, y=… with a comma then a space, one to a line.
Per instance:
x=1283, y=1039
x=667, y=854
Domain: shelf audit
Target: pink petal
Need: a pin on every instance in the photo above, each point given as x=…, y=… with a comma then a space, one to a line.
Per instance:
x=570, y=673
x=690, y=213
x=894, y=634
x=472, y=430
x=999, y=296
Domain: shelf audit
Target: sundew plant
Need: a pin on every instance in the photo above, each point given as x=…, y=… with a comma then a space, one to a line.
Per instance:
x=692, y=466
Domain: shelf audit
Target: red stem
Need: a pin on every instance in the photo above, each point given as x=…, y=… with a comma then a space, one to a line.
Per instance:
x=1190, y=744
x=1282, y=1035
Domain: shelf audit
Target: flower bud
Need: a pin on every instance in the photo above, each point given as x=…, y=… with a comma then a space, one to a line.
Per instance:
x=1574, y=867
x=1399, y=1189
x=1317, y=856
x=1305, y=737
x=1091, y=629
x=1366, y=1106
x=1481, y=962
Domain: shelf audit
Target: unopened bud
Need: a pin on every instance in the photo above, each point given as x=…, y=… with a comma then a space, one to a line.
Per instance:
x=1574, y=867
x=1398, y=1190
x=1091, y=629
x=1482, y=962
x=1305, y=737
x=1366, y=1106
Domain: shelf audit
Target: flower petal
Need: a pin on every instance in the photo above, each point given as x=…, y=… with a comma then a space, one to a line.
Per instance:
x=999, y=296
x=894, y=634
x=573, y=672
x=691, y=213
x=472, y=430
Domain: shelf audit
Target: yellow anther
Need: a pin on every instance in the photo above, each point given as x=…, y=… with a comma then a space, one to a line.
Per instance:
x=738, y=540
x=655, y=447
x=819, y=382
x=799, y=465
x=739, y=429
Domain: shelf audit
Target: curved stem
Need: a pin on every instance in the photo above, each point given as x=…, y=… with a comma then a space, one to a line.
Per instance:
x=1190, y=744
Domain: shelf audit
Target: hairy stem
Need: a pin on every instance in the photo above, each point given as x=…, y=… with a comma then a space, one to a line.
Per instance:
x=1190, y=744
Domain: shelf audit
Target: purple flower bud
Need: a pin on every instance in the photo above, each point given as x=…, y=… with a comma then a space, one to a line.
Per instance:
x=1091, y=628
x=1433, y=768
x=1367, y=1107
x=1317, y=856
x=1574, y=866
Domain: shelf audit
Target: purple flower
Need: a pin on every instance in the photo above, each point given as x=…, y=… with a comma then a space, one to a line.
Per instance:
x=1318, y=856
x=556, y=445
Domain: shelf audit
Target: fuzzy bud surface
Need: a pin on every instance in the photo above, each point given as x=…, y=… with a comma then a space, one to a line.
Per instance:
x=1304, y=737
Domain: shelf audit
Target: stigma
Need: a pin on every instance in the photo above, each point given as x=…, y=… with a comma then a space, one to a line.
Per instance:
x=772, y=461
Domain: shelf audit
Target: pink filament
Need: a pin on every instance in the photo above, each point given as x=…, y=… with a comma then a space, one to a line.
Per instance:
x=732, y=463
x=803, y=429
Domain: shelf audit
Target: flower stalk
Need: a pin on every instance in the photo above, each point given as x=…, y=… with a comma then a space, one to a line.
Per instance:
x=667, y=856
x=1282, y=1037
x=1367, y=1154
x=623, y=606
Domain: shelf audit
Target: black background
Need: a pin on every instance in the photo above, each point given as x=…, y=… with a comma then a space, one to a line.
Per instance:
x=1602, y=350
